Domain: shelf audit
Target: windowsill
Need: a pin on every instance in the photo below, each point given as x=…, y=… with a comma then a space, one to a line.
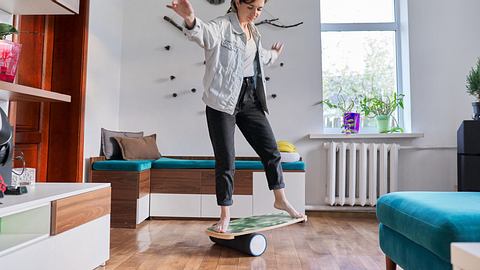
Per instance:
x=366, y=136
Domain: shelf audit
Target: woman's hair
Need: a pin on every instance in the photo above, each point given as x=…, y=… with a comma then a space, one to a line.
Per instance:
x=233, y=6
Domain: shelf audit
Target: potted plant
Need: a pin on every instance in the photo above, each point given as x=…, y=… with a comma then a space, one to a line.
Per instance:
x=382, y=109
x=9, y=53
x=473, y=88
x=351, y=119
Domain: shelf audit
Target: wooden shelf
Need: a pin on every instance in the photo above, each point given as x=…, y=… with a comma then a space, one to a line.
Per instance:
x=16, y=92
x=40, y=7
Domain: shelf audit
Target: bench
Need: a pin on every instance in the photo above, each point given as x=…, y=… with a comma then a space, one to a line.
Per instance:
x=185, y=187
x=417, y=228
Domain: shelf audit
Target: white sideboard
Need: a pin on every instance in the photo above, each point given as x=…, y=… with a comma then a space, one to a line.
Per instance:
x=56, y=226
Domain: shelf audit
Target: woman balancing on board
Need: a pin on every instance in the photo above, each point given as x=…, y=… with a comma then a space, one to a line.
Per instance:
x=235, y=94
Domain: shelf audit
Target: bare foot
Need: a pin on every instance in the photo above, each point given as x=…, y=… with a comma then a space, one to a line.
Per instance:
x=287, y=207
x=222, y=225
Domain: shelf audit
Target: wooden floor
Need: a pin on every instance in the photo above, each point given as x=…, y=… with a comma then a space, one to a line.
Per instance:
x=327, y=241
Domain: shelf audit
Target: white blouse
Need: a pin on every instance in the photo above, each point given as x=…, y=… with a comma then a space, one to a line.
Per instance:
x=249, y=58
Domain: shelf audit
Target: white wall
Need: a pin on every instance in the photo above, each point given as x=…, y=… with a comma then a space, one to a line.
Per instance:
x=443, y=46
x=103, y=72
x=180, y=122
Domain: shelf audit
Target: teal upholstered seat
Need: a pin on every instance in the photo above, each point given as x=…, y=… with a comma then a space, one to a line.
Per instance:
x=170, y=163
x=122, y=165
x=428, y=220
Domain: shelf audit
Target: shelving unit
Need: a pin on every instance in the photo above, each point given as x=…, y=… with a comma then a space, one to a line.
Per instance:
x=16, y=92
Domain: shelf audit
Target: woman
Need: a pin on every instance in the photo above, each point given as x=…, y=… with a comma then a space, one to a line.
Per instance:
x=234, y=93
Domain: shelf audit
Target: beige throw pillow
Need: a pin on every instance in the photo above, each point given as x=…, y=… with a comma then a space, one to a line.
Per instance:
x=110, y=148
x=139, y=148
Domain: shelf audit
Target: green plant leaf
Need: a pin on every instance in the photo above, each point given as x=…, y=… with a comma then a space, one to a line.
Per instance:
x=6, y=29
x=473, y=81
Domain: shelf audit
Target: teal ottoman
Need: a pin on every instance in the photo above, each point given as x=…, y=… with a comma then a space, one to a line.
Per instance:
x=416, y=228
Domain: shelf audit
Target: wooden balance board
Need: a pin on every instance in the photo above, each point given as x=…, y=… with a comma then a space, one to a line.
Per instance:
x=254, y=224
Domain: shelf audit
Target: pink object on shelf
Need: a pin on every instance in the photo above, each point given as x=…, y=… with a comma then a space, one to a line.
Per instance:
x=9, y=54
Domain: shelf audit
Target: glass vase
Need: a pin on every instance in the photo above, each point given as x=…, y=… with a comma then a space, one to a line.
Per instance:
x=9, y=55
x=383, y=123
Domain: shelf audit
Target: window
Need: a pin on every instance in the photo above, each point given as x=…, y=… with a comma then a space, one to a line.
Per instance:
x=360, y=53
x=5, y=17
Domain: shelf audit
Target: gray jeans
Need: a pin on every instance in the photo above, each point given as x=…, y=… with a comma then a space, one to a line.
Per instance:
x=252, y=122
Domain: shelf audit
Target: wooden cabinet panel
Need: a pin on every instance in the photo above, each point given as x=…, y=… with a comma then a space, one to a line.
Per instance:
x=124, y=214
x=144, y=185
x=30, y=153
x=176, y=181
x=28, y=116
x=74, y=211
x=242, y=184
x=125, y=185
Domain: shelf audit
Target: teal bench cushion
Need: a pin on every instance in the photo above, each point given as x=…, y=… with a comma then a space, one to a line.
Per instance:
x=122, y=165
x=170, y=163
x=432, y=219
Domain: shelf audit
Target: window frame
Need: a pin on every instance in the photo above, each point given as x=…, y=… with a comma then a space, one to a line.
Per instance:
x=364, y=27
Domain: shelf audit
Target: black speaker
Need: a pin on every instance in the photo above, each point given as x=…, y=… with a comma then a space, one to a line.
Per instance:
x=6, y=149
x=468, y=156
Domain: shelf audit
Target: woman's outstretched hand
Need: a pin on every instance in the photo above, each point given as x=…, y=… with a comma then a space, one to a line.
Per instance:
x=278, y=47
x=184, y=9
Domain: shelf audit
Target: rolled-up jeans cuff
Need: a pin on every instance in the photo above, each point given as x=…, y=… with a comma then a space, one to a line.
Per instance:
x=277, y=186
x=225, y=203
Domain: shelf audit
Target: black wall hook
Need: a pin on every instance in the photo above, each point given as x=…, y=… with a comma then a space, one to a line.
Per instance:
x=282, y=64
x=274, y=95
x=193, y=90
x=167, y=47
x=267, y=79
x=174, y=95
x=172, y=77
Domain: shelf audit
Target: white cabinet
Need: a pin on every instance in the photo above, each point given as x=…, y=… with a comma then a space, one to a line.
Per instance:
x=40, y=7
x=143, y=208
x=175, y=205
x=56, y=226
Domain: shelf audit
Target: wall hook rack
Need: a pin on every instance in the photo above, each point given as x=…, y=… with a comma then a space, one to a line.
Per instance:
x=170, y=20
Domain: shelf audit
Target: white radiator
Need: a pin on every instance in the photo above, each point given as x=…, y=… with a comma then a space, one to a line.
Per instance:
x=359, y=173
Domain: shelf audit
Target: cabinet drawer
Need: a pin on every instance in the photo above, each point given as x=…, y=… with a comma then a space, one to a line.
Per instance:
x=74, y=211
x=175, y=205
x=176, y=181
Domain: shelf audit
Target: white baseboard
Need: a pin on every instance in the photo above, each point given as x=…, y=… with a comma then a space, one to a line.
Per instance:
x=328, y=208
